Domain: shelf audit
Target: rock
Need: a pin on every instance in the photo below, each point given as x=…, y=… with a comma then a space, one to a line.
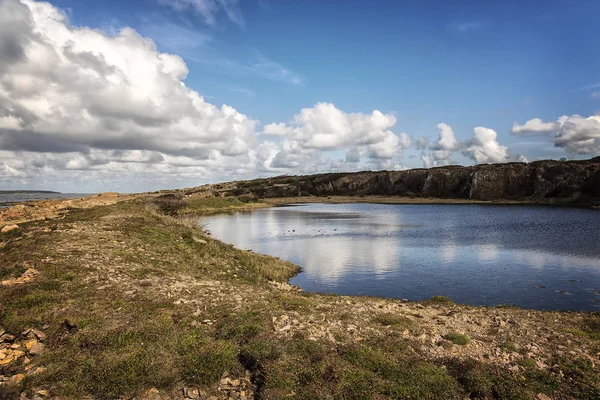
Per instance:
x=16, y=379
x=39, y=334
x=191, y=393
x=7, y=359
x=542, y=396
x=7, y=338
x=29, y=344
x=151, y=394
x=43, y=393
x=9, y=228
x=37, y=349
x=548, y=181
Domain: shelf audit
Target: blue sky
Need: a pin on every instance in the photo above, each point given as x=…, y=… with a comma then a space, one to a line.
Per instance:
x=466, y=64
x=461, y=62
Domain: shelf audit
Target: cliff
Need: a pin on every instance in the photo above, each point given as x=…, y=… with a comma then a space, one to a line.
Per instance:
x=548, y=181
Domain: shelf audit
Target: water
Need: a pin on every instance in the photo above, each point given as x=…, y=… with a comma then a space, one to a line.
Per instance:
x=532, y=257
x=9, y=199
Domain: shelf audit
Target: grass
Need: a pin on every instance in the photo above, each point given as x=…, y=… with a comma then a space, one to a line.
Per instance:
x=397, y=321
x=458, y=338
x=157, y=303
x=440, y=300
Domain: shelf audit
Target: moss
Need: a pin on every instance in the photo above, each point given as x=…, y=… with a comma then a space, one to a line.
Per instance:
x=458, y=338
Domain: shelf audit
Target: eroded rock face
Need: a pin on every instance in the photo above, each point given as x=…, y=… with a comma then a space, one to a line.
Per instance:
x=554, y=182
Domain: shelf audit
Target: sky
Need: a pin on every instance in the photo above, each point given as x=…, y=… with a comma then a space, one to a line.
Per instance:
x=149, y=94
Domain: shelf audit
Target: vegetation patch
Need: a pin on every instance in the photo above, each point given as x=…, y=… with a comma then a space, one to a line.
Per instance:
x=458, y=338
x=440, y=300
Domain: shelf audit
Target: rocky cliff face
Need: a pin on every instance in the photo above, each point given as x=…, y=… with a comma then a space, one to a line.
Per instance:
x=553, y=182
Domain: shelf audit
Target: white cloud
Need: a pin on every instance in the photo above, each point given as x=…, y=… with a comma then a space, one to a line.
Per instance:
x=484, y=148
x=70, y=88
x=274, y=129
x=576, y=134
x=446, y=144
x=427, y=161
x=535, y=125
x=326, y=127
x=317, y=132
x=595, y=95
x=209, y=9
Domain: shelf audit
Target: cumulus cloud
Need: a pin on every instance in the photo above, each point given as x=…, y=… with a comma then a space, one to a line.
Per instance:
x=576, y=134
x=446, y=144
x=481, y=147
x=484, y=148
x=274, y=129
x=325, y=128
x=535, y=125
x=66, y=89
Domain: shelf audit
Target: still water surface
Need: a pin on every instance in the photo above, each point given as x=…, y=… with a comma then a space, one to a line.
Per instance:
x=9, y=199
x=532, y=257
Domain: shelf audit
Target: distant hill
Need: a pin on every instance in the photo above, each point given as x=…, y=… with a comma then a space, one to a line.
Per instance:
x=27, y=191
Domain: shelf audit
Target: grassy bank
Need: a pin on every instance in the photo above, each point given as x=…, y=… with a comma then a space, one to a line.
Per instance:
x=133, y=300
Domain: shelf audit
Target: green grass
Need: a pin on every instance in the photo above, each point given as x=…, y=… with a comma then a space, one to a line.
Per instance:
x=125, y=344
x=439, y=300
x=458, y=338
x=394, y=320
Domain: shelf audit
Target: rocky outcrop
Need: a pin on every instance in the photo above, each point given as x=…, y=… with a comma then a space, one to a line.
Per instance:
x=548, y=181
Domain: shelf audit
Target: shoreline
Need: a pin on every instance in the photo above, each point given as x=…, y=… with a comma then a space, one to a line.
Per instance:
x=284, y=202
x=122, y=273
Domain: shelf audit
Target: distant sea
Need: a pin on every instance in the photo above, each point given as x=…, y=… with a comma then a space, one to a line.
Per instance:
x=8, y=199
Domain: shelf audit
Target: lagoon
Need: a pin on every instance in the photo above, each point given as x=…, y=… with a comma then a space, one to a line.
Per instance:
x=529, y=256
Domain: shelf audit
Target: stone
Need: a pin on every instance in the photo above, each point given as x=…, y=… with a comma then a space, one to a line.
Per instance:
x=542, y=396
x=151, y=394
x=16, y=379
x=39, y=334
x=7, y=337
x=37, y=349
x=29, y=344
x=7, y=360
x=9, y=228
x=43, y=393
